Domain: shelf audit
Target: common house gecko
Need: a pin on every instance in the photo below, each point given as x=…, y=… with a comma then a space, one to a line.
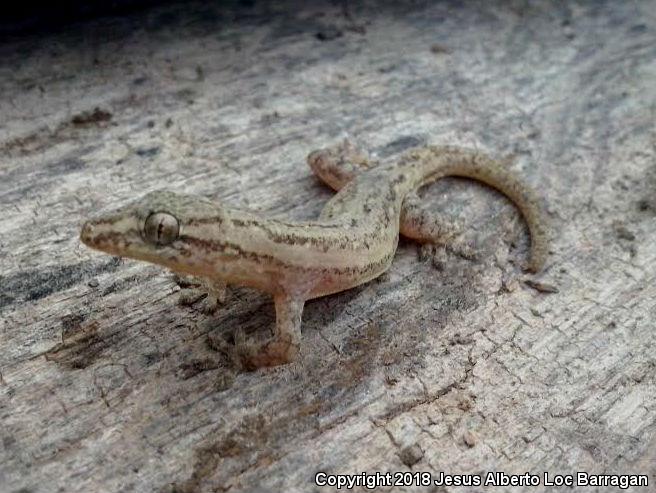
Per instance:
x=352, y=241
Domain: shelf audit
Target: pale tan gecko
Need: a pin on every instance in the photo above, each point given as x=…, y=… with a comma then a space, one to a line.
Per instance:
x=353, y=240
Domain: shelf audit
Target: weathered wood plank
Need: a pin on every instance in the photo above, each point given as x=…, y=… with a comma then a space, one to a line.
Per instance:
x=107, y=385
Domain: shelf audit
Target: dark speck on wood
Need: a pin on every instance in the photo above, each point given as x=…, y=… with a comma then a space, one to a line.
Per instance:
x=329, y=33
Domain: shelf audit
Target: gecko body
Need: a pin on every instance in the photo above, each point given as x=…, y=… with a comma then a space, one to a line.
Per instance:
x=353, y=240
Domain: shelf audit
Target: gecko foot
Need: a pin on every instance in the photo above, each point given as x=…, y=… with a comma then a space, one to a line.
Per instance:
x=194, y=289
x=272, y=353
x=438, y=253
x=339, y=164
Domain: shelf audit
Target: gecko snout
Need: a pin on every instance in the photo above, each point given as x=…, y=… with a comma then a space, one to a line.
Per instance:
x=87, y=233
x=314, y=159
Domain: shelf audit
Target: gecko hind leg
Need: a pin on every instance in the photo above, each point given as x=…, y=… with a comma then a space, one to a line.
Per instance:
x=426, y=226
x=193, y=289
x=286, y=342
x=437, y=234
x=339, y=164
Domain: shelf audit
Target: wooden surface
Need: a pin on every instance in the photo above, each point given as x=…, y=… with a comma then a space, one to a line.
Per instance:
x=107, y=385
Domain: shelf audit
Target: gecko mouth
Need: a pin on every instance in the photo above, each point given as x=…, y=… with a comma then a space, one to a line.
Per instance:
x=98, y=240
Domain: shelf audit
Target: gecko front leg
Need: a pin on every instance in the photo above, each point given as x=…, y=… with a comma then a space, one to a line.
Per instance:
x=286, y=342
x=193, y=289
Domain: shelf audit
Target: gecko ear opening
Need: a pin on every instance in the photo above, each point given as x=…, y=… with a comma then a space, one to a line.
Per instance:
x=161, y=229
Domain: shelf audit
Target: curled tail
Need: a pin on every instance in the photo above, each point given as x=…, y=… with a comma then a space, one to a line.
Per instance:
x=434, y=162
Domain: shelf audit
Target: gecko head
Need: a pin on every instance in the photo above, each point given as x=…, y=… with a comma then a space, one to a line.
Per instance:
x=157, y=228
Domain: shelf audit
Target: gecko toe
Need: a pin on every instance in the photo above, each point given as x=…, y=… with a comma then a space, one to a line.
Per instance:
x=189, y=296
x=273, y=353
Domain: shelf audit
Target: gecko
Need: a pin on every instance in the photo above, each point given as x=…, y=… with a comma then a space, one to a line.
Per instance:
x=353, y=240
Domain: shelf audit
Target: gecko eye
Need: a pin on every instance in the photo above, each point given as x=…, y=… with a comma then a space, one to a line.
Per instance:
x=161, y=228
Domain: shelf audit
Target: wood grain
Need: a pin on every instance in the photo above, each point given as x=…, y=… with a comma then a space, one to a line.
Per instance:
x=107, y=385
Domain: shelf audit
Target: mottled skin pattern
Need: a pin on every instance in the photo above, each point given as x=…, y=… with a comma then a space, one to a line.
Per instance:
x=352, y=242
